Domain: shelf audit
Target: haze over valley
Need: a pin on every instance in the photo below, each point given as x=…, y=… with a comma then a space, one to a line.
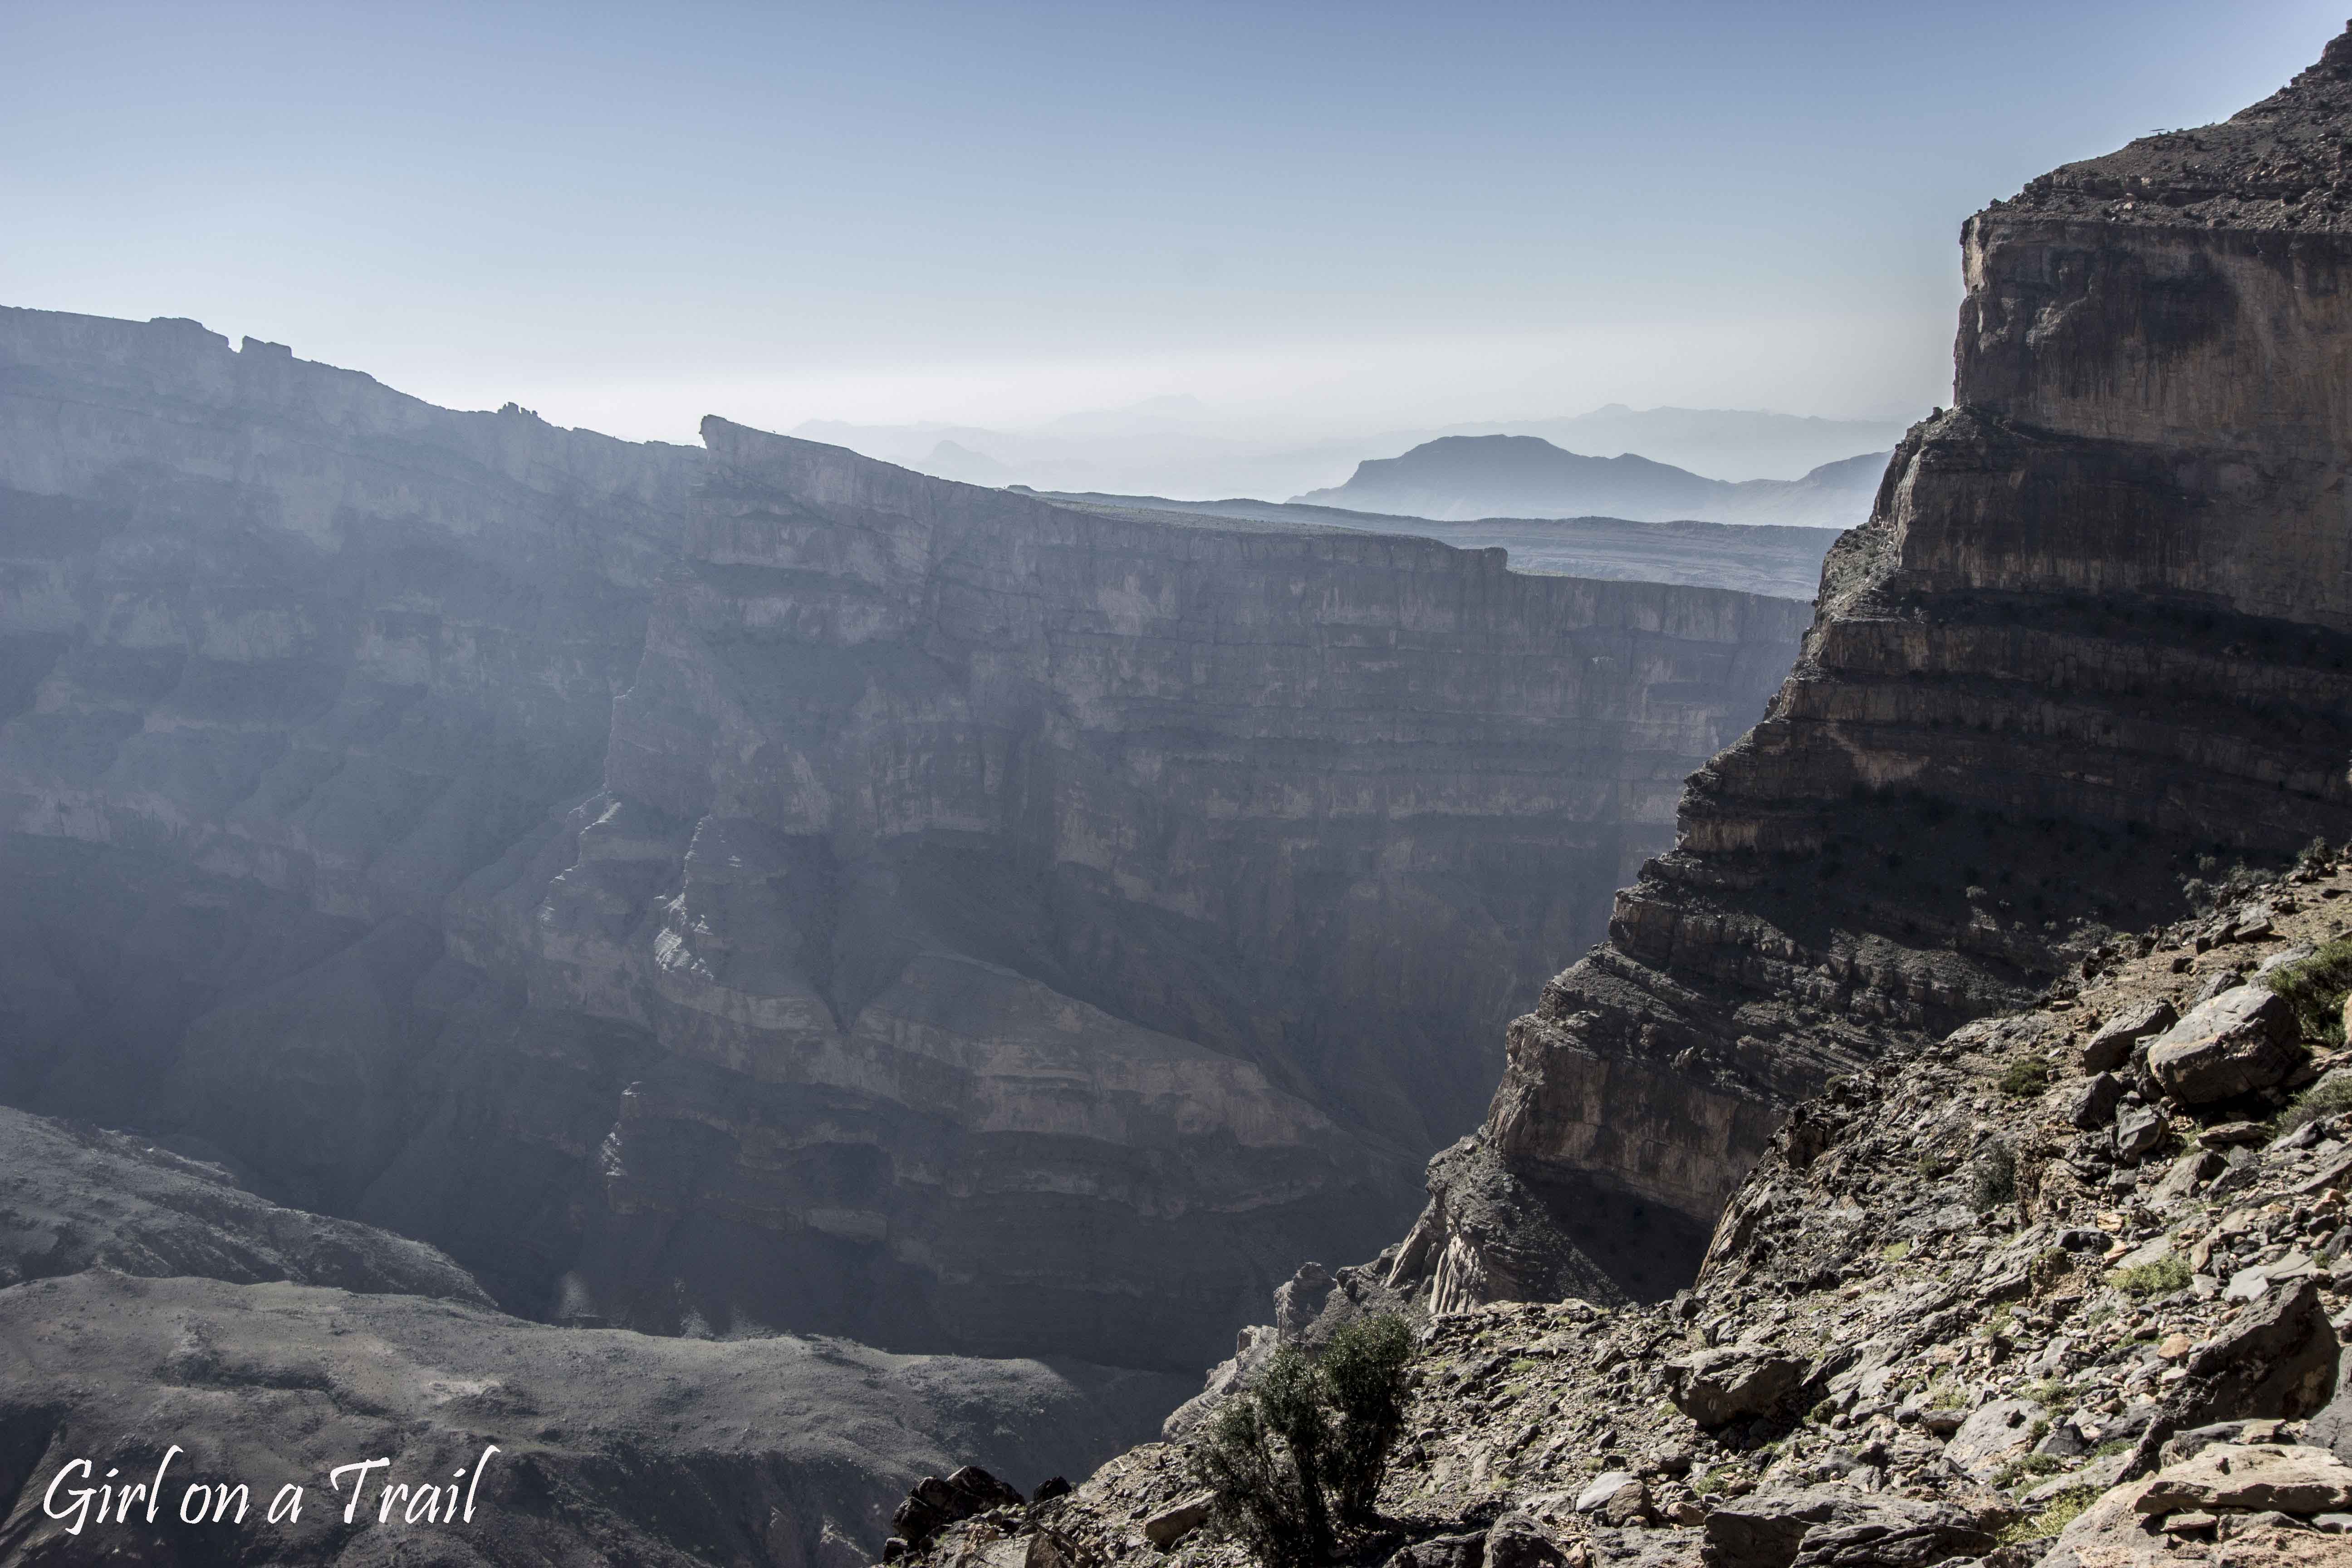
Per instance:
x=1011, y=786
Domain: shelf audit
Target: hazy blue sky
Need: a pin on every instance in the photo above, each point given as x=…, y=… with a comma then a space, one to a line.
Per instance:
x=626, y=216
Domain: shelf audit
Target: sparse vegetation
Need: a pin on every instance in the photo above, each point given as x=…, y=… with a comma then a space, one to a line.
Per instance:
x=2329, y=1097
x=2061, y=1512
x=2160, y=1277
x=1896, y=1251
x=1303, y=1449
x=1994, y=1182
x=2315, y=988
x=2026, y=1078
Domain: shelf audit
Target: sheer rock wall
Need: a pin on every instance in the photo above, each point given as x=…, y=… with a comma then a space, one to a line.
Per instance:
x=756, y=887
x=2096, y=632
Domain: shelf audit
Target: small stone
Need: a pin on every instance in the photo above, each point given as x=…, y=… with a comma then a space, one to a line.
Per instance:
x=2234, y=1135
x=2189, y=1524
x=2176, y=1346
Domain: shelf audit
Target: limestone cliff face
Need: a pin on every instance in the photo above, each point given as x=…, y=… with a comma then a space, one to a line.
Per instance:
x=2097, y=627
x=761, y=888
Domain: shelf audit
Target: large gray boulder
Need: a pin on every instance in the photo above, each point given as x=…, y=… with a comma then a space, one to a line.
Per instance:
x=1822, y=1528
x=1733, y=1382
x=2243, y=1040
x=2111, y=1047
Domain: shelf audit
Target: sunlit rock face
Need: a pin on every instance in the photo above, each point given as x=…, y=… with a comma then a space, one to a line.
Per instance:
x=2096, y=628
x=759, y=887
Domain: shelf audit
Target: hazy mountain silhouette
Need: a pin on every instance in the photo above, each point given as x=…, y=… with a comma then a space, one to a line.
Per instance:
x=1461, y=477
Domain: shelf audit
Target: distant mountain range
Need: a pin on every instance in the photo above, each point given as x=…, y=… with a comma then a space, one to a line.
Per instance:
x=1464, y=477
x=1180, y=446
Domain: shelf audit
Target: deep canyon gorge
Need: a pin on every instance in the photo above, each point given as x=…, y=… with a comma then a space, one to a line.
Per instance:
x=757, y=887
x=755, y=975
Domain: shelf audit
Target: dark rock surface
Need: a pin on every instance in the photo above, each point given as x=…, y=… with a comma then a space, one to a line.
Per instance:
x=1462, y=477
x=76, y=1198
x=2094, y=639
x=760, y=887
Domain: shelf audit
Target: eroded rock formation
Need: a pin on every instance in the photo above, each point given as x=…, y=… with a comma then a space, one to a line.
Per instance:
x=760, y=887
x=2096, y=630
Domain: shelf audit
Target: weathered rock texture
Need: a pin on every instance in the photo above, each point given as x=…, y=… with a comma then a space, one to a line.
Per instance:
x=2098, y=625
x=761, y=887
x=1895, y=1355
x=616, y=1446
x=75, y=1197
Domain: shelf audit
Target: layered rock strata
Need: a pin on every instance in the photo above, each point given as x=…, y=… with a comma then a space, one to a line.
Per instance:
x=759, y=887
x=2093, y=641
x=1978, y=1303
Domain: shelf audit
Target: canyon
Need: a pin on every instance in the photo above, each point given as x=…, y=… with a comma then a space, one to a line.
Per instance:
x=1977, y=1055
x=727, y=890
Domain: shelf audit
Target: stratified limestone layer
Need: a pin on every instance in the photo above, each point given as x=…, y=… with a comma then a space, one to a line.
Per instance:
x=2096, y=630
x=760, y=887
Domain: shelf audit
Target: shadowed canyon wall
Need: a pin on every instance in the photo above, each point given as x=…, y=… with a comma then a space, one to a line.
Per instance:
x=2096, y=630
x=758, y=888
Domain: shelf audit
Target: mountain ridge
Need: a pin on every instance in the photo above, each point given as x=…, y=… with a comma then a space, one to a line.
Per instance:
x=1459, y=476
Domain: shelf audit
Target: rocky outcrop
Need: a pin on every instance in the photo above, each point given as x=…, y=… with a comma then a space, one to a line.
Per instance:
x=2092, y=641
x=1940, y=1322
x=731, y=889
x=75, y=1197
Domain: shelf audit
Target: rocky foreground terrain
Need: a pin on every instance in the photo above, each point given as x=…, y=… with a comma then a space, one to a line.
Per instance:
x=2054, y=1289
x=750, y=887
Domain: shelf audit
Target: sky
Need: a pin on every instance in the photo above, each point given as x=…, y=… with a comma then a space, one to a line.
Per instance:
x=1310, y=216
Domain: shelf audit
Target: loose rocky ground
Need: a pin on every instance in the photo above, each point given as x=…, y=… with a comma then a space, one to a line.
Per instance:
x=2054, y=1290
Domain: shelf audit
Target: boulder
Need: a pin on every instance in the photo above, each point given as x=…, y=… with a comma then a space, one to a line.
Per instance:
x=1617, y=1497
x=980, y=1490
x=2190, y=1172
x=1732, y=1382
x=2243, y=1040
x=2290, y=1477
x=1998, y=1431
x=2138, y=1130
x=2275, y=1363
x=2111, y=1047
x=1766, y=1532
x=1826, y=1529
x=1442, y=1552
x=1895, y=1534
x=1179, y=1520
x=1515, y=1541
x=2093, y=1101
